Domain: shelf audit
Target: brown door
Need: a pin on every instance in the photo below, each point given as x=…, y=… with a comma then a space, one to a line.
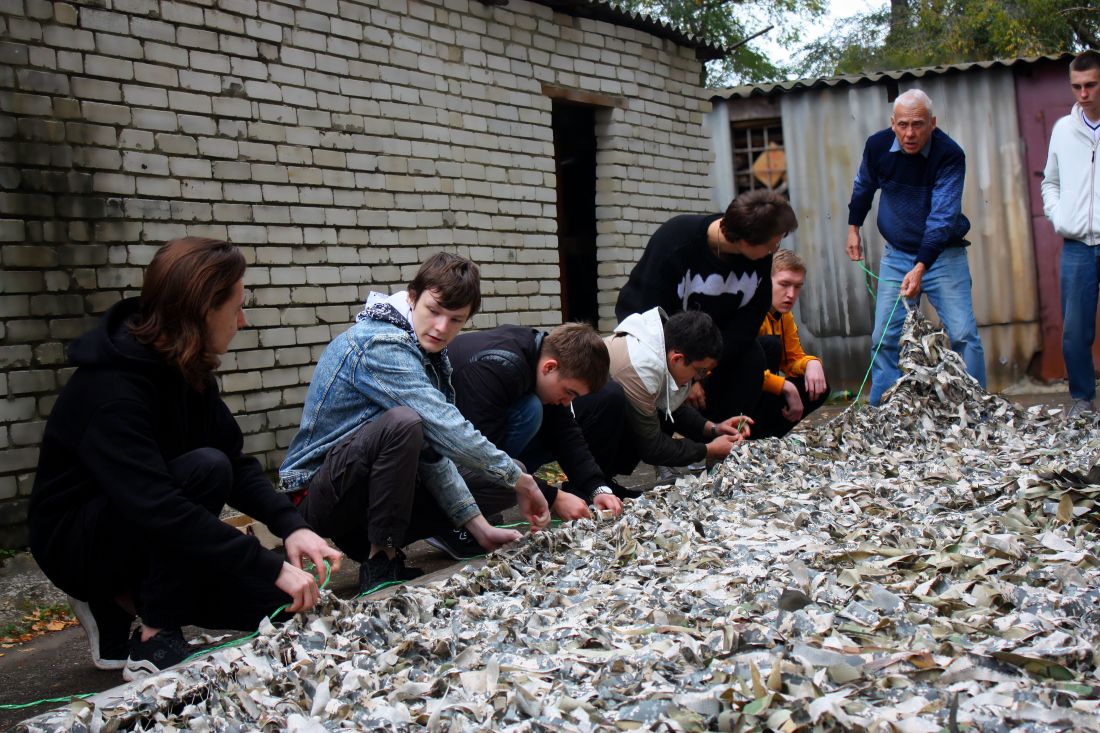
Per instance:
x=1043, y=97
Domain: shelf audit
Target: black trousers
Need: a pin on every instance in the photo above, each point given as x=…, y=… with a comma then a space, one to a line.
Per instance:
x=737, y=382
x=365, y=491
x=602, y=417
x=767, y=415
x=113, y=557
x=429, y=520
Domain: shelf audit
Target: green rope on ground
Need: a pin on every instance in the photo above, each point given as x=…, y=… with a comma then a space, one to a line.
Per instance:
x=70, y=698
x=379, y=587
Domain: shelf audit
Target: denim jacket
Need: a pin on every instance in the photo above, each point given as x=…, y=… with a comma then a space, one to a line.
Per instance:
x=376, y=365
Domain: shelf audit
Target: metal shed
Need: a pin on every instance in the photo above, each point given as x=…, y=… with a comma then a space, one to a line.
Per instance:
x=806, y=137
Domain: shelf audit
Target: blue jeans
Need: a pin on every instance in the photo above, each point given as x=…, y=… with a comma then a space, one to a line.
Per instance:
x=524, y=421
x=1080, y=271
x=947, y=285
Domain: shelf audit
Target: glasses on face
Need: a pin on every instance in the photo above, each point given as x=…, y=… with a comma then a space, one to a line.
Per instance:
x=701, y=373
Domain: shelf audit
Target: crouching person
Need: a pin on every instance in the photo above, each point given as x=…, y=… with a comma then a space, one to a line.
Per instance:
x=373, y=463
x=138, y=458
x=655, y=360
x=794, y=385
x=516, y=386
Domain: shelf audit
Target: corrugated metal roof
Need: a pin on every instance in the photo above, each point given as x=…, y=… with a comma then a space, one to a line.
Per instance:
x=825, y=132
x=780, y=88
x=607, y=12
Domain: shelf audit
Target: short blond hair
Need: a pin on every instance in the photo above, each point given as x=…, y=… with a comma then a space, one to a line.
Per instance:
x=786, y=260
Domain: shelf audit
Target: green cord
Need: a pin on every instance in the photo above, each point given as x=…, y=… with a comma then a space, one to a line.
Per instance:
x=228, y=644
x=379, y=587
x=69, y=698
x=553, y=523
x=254, y=634
x=875, y=354
x=885, y=328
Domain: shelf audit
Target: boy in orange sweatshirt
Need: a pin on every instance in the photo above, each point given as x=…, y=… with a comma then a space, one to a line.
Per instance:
x=801, y=388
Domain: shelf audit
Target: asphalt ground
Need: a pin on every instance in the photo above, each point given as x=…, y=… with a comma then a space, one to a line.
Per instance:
x=59, y=664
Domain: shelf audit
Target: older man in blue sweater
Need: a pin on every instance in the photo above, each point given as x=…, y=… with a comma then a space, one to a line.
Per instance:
x=920, y=171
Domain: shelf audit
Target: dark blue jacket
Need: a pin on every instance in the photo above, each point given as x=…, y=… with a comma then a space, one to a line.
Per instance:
x=920, y=210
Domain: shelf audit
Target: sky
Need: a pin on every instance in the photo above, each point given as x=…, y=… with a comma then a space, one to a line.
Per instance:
x=837, y=9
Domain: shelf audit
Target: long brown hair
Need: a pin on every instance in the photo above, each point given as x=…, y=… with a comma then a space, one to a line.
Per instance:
x=187, y=278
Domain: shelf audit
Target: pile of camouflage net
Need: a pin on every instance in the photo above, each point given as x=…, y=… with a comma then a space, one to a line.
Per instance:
x=929, y=565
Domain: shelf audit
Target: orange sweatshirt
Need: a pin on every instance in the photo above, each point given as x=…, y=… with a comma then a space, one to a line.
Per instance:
x=794, y=360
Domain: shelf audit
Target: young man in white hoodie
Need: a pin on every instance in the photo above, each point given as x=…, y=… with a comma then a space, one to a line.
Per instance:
x=1071, y=200
x=655, y=360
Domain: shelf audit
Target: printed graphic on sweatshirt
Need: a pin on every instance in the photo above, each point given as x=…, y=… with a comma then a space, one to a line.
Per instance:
x=715, y=285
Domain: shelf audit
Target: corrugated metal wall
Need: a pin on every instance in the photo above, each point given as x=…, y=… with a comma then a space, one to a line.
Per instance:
x=825, y=130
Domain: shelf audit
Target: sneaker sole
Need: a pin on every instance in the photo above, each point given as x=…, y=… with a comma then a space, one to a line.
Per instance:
x=83, y=613
x=443, y=548
x=134, y=671
x=109, y=665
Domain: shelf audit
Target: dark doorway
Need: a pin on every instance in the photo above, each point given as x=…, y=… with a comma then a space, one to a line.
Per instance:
x=575, y=161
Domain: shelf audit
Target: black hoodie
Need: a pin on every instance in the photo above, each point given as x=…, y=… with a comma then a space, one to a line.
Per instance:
x=122, y=417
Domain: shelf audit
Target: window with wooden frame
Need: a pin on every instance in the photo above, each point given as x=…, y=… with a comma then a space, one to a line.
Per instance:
x=759, y=158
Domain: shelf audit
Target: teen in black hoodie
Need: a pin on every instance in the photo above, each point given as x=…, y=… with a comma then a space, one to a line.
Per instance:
x=138, y=458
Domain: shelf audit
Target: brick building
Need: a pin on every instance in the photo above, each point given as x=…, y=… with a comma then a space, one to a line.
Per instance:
x=337, y=145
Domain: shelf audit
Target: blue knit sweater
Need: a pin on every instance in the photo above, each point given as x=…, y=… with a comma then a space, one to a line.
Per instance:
x=920, y=210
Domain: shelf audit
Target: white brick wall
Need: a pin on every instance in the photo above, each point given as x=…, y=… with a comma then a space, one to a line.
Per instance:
x=337, y=145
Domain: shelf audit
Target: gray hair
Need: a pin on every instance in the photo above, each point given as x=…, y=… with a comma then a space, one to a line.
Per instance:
x=914, y=98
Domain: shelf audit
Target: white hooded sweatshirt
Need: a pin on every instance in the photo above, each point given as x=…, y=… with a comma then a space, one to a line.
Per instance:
x=651, y=386
x=1071, y=188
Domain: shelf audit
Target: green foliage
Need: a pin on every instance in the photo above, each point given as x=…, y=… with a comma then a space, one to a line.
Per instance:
x=727, y=23
x=931, y=32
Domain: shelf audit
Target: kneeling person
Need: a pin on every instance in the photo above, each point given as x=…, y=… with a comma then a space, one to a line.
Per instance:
x=138, y=458
x=655, y=360
x=515, y=385
x=801, y=388
x=379, y=424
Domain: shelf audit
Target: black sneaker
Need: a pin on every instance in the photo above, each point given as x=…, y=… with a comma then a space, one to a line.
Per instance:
x=166, y=649
x=379, y=570
x=458, y=543
x=621, y=491
x=108, y=630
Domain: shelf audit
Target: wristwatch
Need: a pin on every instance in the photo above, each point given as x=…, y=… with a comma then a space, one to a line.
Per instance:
x=602, y=490
x=714, y=430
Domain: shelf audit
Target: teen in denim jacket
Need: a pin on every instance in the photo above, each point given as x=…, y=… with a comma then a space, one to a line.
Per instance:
x=394, y=358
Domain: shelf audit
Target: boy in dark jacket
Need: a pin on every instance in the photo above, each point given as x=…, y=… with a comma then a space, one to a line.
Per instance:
x=516, y=385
